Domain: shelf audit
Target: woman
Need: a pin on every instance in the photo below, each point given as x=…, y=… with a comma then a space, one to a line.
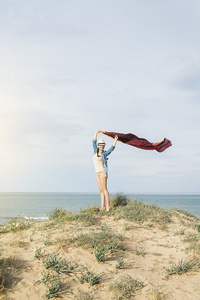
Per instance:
x=101, y=168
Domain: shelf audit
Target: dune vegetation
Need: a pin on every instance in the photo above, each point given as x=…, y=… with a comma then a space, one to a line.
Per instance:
x=135, y=251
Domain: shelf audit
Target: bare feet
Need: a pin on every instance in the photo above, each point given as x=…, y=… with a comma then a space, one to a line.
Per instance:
x=103, y=207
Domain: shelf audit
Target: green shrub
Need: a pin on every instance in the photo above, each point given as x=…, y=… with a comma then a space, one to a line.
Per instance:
x=119, y=200
x=101, y=253
x=53, y=283
x=121, y=264
x=88, y=277
x=56, y=213
x=58, y=264
x=53, y=289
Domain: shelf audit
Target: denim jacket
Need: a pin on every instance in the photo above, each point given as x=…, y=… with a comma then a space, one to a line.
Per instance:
x=104, y=154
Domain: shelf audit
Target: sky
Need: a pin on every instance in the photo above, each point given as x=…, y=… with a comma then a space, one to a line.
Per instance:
x=71, y=67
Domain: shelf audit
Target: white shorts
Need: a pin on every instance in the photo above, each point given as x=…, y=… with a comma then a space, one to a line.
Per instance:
x=101, y=174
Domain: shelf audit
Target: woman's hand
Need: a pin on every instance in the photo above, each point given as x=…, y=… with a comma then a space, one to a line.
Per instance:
x=98, y=131
x=115, y=141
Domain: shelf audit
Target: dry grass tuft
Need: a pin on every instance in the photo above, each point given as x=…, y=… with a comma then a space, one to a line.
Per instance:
x=125, y=287
x=156, y=295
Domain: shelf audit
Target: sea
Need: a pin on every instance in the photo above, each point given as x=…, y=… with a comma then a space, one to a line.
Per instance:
x=38, y=205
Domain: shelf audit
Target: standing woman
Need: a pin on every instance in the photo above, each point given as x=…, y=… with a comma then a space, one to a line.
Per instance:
x=101, y=168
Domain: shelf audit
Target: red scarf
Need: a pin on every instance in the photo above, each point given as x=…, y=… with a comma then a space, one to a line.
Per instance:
x=141, y=143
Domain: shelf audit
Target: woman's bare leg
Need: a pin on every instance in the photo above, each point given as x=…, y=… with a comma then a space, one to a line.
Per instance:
x=99, y=183
x=105, y=191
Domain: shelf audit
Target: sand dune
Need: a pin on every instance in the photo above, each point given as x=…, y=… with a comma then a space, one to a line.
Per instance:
x=145, y=251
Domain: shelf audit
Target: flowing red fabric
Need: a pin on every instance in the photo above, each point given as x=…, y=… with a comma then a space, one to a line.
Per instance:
x=141, y=143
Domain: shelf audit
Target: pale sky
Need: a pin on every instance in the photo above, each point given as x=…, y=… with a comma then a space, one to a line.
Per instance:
x=71, y=67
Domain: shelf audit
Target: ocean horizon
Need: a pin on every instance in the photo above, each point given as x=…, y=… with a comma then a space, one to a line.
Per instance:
x=38, y=205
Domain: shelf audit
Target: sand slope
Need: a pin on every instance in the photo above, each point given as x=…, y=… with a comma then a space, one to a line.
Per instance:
x=150, y=249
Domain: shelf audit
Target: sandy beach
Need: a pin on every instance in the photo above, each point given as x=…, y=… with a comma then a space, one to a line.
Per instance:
x=135, y=251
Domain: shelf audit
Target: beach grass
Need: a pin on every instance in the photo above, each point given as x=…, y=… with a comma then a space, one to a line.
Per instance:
x=53, y=284
x=104, y=242
x=101, y=253
x=183, y=266
x=8, y=266
x=137, y=211
x=89, y=277
x=125, y=287
x=121, y=264
x=193, y=241
x=58, y=264
x=156, y=295
x=16, y=224
x=122, y=208
x=84, y=296
x=180, y=232
x=60, y=215
x=140, y=251
x=2, y=274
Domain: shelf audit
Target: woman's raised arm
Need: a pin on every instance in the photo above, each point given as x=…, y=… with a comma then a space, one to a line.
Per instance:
x=98, y=131
x=115, y=141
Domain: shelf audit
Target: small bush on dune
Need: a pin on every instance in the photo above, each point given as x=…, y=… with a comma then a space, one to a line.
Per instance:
x=56, y=213
x=119, y=200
